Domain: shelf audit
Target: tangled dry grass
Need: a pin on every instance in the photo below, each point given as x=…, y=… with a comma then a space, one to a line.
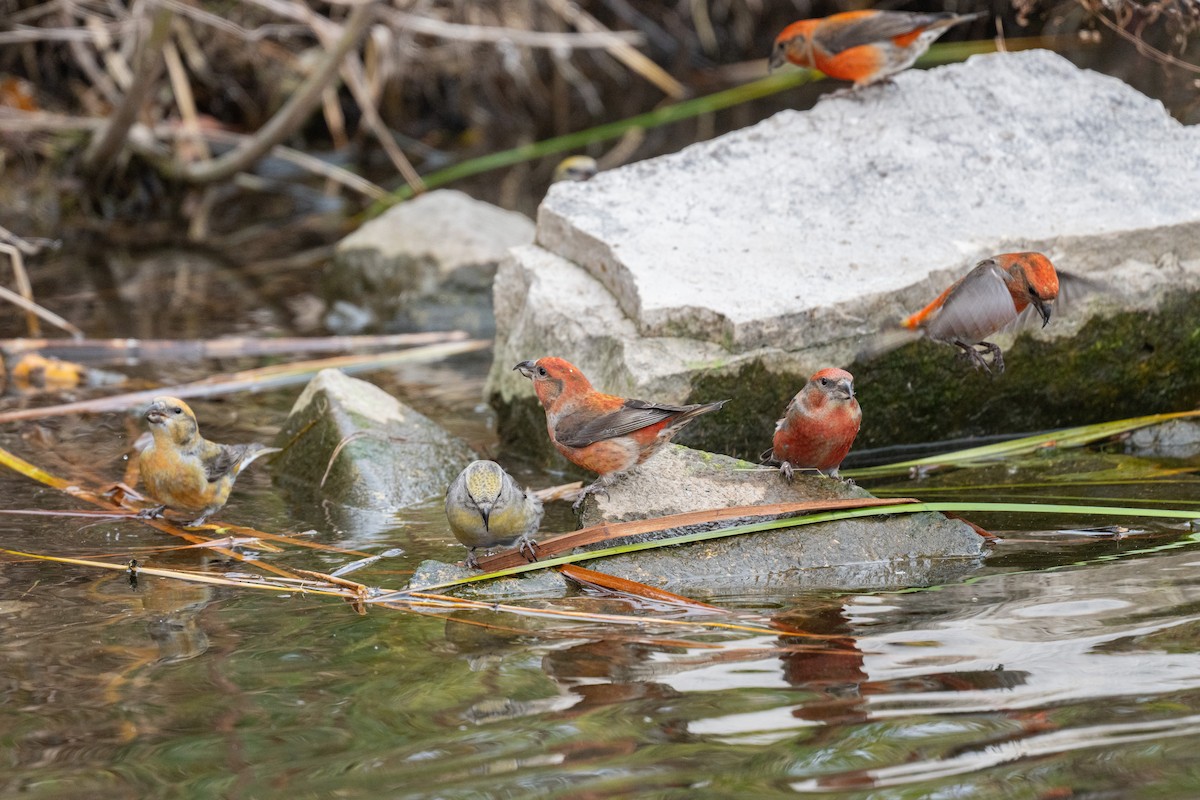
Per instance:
x=139, y=99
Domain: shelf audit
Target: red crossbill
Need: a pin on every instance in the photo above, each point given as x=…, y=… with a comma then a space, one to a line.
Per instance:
x=601, y=432
x=862, y=46
x=986, y=299
x=182, y=470
x=819, y=425
x=486, y=508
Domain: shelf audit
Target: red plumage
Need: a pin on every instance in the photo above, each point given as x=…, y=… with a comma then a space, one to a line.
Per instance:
x=819, y=426
x=862, y=46
x=600, y=432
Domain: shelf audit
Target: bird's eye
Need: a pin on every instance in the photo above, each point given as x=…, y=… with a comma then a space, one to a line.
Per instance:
x=176, y=410
x=824, y=381
x=1033, y=293
x=541, y=371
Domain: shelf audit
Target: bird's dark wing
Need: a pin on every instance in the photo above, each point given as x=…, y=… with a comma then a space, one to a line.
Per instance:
x=580, y=430
x=223, y=459
x=978, y=307
x=877, y=27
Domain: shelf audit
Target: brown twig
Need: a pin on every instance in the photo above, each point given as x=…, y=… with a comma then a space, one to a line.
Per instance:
x=109, y=139
x=182, y=350
x=352, y=72
x=294, y=112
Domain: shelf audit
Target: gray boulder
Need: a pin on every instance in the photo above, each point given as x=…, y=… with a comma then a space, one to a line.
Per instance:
x=869, y=553
x=390, y=456
x=424, y=264
x=738, y=266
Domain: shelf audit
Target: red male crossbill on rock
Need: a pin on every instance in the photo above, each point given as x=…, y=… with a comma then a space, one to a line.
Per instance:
x=601, y=432
x=819, y=425
x=182, y=470
x=862, y=46
x=988, y=298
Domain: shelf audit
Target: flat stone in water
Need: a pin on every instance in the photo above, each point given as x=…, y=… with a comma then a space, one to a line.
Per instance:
x=851, y=554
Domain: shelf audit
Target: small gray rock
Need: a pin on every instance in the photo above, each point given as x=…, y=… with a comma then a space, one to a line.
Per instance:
x=538, y=583
x=1178, y=438
x=392, y=456
x=427, y=263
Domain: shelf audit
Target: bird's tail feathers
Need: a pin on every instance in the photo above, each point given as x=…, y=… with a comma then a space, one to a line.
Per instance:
x=254, y=452
x=886, y=341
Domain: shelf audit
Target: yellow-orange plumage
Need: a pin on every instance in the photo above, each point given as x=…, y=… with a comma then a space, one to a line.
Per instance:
x=182, y=470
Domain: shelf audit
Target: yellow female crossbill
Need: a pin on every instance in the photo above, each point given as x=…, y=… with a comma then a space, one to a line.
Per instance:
x=486, y=508
x=182, y=470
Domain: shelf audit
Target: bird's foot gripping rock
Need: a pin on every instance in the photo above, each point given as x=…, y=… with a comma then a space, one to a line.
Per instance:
x=599, y=487
x=155, y=512
x=786, y=470
x=471, y=562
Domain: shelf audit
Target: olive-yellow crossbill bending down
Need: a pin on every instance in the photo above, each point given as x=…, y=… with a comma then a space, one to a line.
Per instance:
x=601, y=432
x=819, y=425
x=183, y=471
x=864, y=46
x=988, y=298
x=487, y=508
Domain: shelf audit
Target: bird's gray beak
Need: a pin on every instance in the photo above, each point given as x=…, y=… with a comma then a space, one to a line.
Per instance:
x=485, y=511
x=776, y=60
x=847, y=388
x=526, y=368
x=155, y=413
x=1043, y=308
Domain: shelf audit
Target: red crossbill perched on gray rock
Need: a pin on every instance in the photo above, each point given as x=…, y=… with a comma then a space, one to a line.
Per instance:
x=819, y=425
x=864, y=46
x=601, y=432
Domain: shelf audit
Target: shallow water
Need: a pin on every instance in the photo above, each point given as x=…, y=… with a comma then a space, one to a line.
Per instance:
x=1064, y=666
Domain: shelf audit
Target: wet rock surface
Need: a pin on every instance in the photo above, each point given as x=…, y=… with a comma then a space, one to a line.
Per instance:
x=752, y=260
x=870, y=553
x=538, y=583
x=380, y=454
x=1178, y=438
x=886, y=552
x=426, y=264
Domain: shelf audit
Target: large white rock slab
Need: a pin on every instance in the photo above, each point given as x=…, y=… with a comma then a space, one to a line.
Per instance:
x=823, y=224
x=737, y=267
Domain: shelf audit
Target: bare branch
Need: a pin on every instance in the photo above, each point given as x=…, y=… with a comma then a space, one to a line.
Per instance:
x=492, y=35
x=109, y=140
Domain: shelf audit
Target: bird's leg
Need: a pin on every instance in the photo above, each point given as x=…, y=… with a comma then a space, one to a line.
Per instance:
x=836, y=474
x=973, y=356
x=151, y=513
x=997, y=357
x=471, y=562
x=786, y=470
x=527, y=547
x=197, y=522
x=599, y=486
